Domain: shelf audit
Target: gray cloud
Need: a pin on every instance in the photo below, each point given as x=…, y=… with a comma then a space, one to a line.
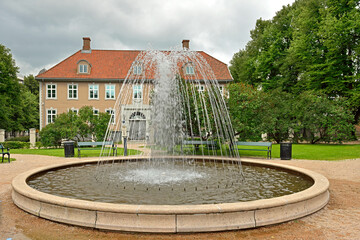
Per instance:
x=40, y=33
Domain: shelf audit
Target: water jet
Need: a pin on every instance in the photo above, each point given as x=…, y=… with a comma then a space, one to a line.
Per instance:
x=192, y=181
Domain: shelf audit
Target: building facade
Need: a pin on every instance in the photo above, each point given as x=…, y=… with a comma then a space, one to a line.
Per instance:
x=94, y=78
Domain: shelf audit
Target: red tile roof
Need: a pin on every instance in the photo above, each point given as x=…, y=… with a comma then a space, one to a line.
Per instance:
x=114, y=64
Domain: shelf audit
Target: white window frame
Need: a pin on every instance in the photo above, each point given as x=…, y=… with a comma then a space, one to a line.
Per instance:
x=51, y=89
x=136, y=89
x=200, y=88
x=221, y=89
x=97, y=89
x=83, y=68
x=189, y=69
x=137, y=69
x=73, y=90
x=112, y=114
x=96, y=110
x=52, y=115
x=74, y=110
x=110, y=90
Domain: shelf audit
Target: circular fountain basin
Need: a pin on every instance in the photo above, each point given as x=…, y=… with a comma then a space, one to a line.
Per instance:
x=172, y=218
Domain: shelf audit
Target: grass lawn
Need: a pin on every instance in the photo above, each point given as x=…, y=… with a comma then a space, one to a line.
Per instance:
x=299, y=151
x=59, y=152
x=306, y=151
x=6, y=160
x=314, y=151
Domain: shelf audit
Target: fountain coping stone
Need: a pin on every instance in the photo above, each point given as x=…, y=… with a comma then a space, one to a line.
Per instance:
x=172, y=218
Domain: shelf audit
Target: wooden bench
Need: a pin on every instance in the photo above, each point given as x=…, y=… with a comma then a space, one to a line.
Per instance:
x=211, y=145
x=93, y=146
x=259, y=144
x=5, y=152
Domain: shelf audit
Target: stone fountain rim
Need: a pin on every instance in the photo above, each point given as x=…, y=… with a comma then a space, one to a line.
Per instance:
x=320, y=186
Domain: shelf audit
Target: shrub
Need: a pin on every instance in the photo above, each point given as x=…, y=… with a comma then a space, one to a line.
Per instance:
x=19, y=139
x=38, y=145
x=16, y=144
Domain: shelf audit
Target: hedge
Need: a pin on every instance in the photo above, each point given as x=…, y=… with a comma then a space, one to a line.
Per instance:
x=16, y=144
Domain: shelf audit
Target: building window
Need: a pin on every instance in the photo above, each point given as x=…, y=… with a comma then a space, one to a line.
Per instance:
x=112, y=115
x=83, y=68
x=189, y=70
x=74, y=110
x=221, y=89
x=93, y=91
x=96, y=112
x=137, y=69
x=200, y=88
x=50, y=115
x=72, y=91
x=137, y=90
x=51, y=91
x=109, y=91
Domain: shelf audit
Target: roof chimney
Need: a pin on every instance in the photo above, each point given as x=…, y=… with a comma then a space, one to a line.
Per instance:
x=86, y=44
x=185, y=44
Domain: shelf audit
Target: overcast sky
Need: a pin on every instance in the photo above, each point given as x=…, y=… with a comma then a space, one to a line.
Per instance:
x=41, y=33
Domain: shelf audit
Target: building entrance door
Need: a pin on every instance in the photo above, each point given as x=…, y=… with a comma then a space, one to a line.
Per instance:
x=137, y=126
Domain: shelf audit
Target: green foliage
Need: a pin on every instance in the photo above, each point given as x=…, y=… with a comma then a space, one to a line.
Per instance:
x=9, y=88
x=204, y=112
x=50, y=136
x=246, y=111
x=75, y=127
x=193, y=113
x=254, y=112
x=278, y=115
x=100, y=124
x=31, y=84
x=283, y=116
x=20, y=139
x=322, y=119
x=311, y=45
x=16, y=144
x=29, y=111
x=19, y=105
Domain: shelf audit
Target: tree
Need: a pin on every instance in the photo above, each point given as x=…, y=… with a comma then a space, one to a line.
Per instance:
x=245, y=62
x=29, y=107
x=279, y=115
x=100, y=125
x=310, y=45
x=32, y=84
x=65, y=126
x=76, y=127
x=320, y=119
x=50, y=136
x=246, y=109
x=9, y=89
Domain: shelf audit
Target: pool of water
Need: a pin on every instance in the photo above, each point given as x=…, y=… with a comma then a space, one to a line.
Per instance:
x=169, y=182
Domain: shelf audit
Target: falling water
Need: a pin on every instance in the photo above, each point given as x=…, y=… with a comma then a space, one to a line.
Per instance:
x=172, y=100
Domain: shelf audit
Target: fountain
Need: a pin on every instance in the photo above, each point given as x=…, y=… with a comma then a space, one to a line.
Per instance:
x=193, y=180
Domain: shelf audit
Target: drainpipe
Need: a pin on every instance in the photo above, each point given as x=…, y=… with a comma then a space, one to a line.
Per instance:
x=40, y=103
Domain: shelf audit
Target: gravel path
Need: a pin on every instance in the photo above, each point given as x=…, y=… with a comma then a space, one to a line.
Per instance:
x=338, y=220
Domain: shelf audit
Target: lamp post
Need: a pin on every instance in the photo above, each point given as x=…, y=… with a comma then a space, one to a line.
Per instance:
x=124, y=135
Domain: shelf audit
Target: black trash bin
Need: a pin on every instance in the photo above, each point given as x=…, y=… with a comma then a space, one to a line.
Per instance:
x=69, y=148
x=285, y=151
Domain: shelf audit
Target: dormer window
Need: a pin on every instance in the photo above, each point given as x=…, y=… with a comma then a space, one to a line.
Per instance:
x=137, y=68
x=83, y=67
x=189, y=69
